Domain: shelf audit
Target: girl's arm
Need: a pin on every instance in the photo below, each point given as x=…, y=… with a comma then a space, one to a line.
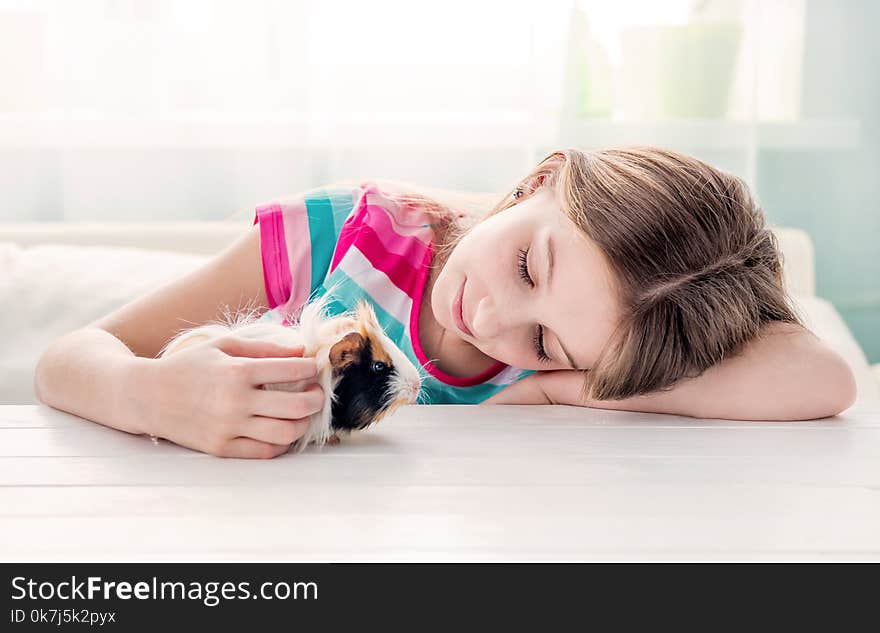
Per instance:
x=785, y=374
x=207, y=396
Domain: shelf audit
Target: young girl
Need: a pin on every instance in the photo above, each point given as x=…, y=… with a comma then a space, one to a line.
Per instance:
x=636, y=279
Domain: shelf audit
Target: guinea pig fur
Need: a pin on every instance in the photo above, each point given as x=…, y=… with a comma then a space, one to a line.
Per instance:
x=364, y=375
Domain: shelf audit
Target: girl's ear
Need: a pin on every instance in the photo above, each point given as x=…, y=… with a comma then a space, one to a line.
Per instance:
x=546, y=172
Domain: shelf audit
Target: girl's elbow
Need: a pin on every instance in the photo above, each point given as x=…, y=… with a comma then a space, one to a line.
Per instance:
x=39, y=378
x=840, y=390
x=848, y=390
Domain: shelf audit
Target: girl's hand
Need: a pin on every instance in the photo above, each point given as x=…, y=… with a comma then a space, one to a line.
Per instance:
x=208, y=397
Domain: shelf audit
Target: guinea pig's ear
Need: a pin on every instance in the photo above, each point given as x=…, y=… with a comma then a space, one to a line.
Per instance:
x=346, y=351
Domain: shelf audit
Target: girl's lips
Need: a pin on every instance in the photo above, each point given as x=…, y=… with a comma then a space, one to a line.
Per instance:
x=457, y=312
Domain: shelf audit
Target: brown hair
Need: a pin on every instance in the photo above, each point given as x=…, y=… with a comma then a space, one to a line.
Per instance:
x=696, y=271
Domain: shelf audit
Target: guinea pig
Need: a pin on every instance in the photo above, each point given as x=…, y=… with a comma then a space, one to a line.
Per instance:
x=364, y=375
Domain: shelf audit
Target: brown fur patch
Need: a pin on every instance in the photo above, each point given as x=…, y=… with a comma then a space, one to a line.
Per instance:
x=378, y=351
x=346, y=351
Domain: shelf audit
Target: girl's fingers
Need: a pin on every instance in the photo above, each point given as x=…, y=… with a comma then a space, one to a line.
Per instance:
x=247, y=448
x=264, y=371
x=288, y=405
x=273, y=430
x=256, y=348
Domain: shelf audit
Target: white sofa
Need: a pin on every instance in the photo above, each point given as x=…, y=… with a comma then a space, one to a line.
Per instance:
x=58, y=277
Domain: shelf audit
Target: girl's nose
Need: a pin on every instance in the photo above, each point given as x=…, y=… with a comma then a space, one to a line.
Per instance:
x=490, y=320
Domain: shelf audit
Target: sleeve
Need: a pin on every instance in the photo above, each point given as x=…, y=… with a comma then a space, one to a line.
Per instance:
x=298, y=236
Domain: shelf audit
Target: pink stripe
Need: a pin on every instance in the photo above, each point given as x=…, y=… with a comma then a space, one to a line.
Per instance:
x=398, y=266
x=407, y=220
x=348, y=233
x=407, y=240
x=299, y=254
x=273, y=250
x=404, y=244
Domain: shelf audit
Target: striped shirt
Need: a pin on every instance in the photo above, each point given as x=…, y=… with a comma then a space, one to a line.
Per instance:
x=353, y=243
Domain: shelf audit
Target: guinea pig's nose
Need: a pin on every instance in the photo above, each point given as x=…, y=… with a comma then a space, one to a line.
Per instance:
x=414, y=387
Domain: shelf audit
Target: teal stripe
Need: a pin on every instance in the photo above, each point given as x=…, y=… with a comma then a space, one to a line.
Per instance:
x=342, y=200
x=347, y=292
x=436, y=392
x=327, y=210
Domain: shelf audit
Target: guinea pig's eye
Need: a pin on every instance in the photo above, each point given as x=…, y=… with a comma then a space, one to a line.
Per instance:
x=378, y=367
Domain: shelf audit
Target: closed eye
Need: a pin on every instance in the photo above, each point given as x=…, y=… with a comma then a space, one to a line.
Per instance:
x=538, y=337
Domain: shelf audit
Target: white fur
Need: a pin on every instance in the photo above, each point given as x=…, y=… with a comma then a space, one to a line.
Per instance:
x=317, y=333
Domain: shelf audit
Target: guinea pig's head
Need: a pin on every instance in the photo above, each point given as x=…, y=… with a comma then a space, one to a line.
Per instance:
x=372, y=377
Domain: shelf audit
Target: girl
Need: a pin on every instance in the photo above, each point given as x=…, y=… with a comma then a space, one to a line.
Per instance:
x=636, y=279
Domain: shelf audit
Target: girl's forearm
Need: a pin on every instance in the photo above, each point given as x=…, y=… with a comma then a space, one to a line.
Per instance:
x=785, y=374
x=92, y=374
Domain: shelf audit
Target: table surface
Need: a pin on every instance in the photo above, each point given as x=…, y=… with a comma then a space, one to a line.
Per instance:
x=452, y=483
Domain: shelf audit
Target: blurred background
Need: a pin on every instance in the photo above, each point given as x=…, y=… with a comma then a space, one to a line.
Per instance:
x=169, y=110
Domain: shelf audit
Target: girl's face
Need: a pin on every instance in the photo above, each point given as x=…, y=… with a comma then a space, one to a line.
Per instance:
x=526, y=287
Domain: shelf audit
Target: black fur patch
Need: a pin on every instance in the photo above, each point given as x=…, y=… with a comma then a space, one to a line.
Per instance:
x=362, y=392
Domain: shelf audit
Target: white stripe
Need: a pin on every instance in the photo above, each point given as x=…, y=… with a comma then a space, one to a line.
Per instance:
x=506, y=376
x=378, y=285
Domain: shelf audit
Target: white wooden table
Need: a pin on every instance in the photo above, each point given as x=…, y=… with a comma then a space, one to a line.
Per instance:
x=451, y=483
